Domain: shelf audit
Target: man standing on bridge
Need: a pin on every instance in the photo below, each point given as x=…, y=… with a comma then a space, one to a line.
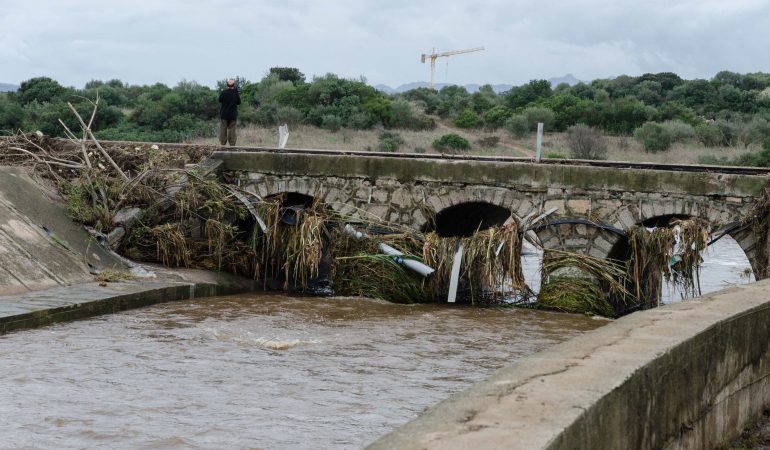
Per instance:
x=228, y=113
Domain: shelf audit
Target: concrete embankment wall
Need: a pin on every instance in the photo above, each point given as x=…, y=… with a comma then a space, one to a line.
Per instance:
x=689, y=375
x=40, y=246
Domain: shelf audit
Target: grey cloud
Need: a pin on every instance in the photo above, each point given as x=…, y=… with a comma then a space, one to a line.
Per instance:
x=144, y=41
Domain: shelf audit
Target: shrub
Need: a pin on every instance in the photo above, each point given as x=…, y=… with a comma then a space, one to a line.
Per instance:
x=709, y=135
x=468, y=119
x=536, y=114
x=678, y=130
x=653, y=137
x=488, y=141
x=389, y=141
x=758, y=159
x=517, y=126
x=288, y=115
x=331, y=123
x=419, y=149
x=586, y=143
x=451, y=142
x=496, y=117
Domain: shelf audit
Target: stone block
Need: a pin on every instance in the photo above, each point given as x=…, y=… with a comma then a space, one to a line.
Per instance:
x=401, y=198
x=525, y=207
x=436, y=203
x=457, y=197
x=550, y=204
x=332, y=195
x=576, y=243
x=362, y=194
x=497, y=198
x=377, y=211
x=380, y=195
x=418, y=217
x=579, y=207
x=347, y=209
x=596, y=253
x=601, y=243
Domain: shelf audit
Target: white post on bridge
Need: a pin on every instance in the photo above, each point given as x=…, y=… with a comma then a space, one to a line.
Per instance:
x=283, y=135
x=539, y=141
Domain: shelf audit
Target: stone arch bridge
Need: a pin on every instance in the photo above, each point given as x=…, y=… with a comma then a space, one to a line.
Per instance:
x=592, y=202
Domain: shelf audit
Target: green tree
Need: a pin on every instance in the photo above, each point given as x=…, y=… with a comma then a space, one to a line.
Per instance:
x=537, y=114
x=517, y=125
x=528, y=93
x=288, y=74
x=41, y=89
x=496, y=116
x=468, y=119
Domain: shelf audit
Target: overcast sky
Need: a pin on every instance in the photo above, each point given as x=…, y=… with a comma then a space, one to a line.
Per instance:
x=144, y=41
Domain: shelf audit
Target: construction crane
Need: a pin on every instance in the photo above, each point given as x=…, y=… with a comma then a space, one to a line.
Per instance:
x=433, y=56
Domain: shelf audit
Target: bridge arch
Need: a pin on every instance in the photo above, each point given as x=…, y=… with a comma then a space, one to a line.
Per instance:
x=464, y=219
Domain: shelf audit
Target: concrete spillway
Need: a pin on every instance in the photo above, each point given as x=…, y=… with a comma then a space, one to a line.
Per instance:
x=40, y=247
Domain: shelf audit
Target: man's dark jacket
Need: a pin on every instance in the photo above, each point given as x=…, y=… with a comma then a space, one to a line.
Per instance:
x=230, y=99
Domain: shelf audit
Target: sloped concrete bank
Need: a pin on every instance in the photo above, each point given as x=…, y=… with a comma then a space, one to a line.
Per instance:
x=47, y=260
x=689, y=375
x=84, y=300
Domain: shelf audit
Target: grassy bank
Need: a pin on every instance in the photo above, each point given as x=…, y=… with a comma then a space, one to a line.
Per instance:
x=620, y=148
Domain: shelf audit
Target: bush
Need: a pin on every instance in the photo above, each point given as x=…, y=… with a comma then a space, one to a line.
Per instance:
x=331, y=123
x=468, y=119
x=758, y=159
x=653, y=136
x=389, y=141
x=488, y=141
x=419, y=149
x=451, y=142
x=586, y=143
x=496, y=117
x=678, y=130
x=288, y=115
x=536, y=114
x=517, y=126
x=709, y=135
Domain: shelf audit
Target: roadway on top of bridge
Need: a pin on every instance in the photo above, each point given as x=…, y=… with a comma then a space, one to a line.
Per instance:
x=465, y=157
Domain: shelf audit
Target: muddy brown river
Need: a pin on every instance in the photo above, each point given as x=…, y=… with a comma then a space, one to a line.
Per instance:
x=269, y=371
x=254, y=371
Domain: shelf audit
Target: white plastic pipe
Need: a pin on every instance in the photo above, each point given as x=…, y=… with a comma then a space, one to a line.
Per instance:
x=454, y=278
x=416, y=266
x=352, y=232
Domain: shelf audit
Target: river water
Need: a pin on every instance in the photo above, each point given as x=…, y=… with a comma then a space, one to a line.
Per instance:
x=254, y=371
x=266, y=371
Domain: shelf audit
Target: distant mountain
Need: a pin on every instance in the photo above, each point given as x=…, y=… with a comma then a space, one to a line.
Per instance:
x=423, y=84
x=569, y=79
x=5, y=87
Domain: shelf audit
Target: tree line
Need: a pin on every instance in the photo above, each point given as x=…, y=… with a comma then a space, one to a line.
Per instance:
x=658, y=109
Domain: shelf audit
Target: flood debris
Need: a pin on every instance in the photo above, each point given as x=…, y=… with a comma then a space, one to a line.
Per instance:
x=171, y=207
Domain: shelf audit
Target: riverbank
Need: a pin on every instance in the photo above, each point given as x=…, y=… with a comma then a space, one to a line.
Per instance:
x=82, y=300
x=686, y=375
